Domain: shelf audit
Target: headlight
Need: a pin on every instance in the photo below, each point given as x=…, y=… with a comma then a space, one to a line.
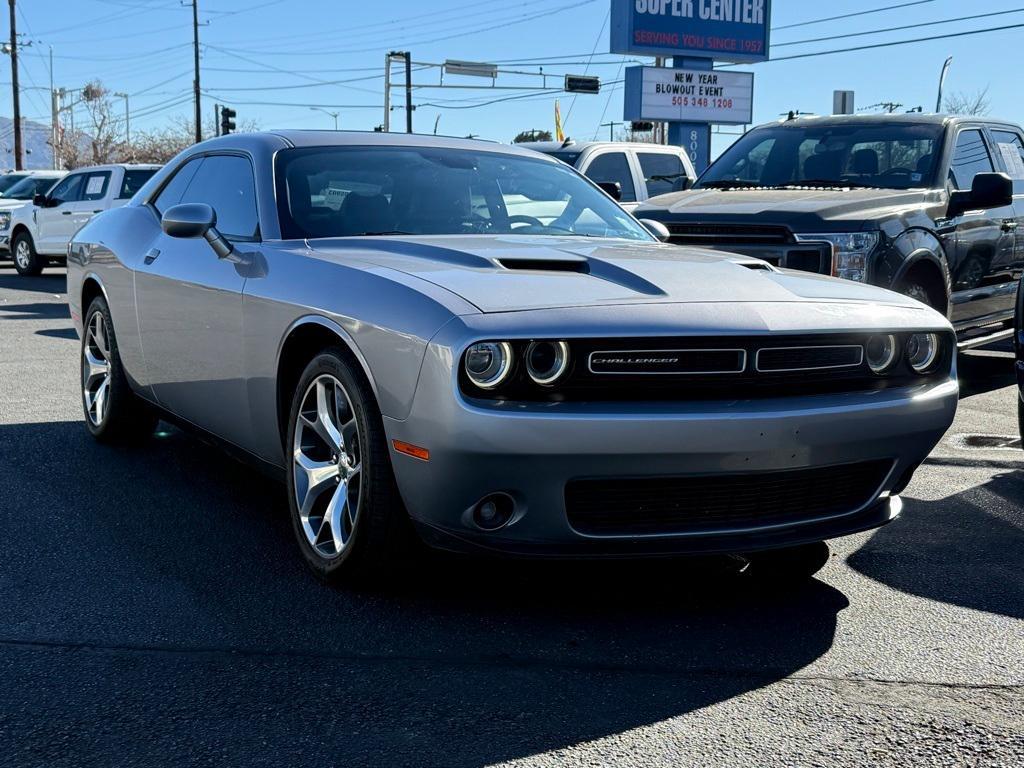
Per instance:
x=850, y=251
x=488, y=363
x=881, y=352
x=923, y=351
x=547, y=361
x=5, y=220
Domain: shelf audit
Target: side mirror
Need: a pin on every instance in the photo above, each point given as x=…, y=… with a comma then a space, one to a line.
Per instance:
x=612, y=188
x=40, y=200
x=190, y=220
x=657, y=229
x=988, y=190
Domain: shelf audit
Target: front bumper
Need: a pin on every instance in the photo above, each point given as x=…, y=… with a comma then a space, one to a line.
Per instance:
x=531, y=451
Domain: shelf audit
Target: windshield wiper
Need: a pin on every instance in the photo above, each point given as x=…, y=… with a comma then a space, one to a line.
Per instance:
x=382, y=234
x=732, y=184
x=831, y=183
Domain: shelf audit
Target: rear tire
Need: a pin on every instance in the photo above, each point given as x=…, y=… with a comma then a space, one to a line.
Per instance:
x=346, y=511
x=26, y=260
x=113, y=413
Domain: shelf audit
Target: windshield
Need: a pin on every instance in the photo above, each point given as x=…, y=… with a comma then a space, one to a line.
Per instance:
x=8, y=180
x=894, y=156
x=28, y=188
x=353, y=191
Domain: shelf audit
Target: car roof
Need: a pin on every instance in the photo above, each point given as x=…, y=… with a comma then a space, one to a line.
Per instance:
x=112, y=166
x=909, y=118
x=313, y=138
x=579, y=146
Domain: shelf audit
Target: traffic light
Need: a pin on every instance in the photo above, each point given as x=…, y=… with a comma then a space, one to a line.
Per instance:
x=227, y=120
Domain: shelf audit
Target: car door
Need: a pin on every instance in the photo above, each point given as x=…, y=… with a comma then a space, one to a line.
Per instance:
x=1009, y=150
x=54, y=222
x=613, y=166
x=982, y=275
x=663, y=172
x=92, y=200
x=190, y=302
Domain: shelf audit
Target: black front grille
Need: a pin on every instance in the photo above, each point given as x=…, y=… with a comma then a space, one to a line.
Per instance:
x=791, y=359
x=716, y=234
x=696, y=504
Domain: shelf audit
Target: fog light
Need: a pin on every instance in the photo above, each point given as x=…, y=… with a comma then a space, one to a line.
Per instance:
x=880, y=352
x=494, y=511
x=923, y=351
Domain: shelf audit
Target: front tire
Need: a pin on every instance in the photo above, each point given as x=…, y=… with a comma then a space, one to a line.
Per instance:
x=346, y=512
x=26, y=260
x=113, y=413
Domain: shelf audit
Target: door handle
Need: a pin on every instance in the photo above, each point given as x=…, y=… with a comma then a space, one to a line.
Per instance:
x=99, y=211
x=151, y=256
x=1009, y=226
x=65, y=213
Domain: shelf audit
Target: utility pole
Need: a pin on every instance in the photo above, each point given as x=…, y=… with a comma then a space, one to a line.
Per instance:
x=611, y=129
x=14, y=87
x=195, y=51
x=408, y=91
x=387, y=92
x=54, y=119
x=127, y=124
x=216, y=119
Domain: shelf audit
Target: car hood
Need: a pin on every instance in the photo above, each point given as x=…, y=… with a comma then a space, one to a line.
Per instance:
x=519, y=272
x=9, y=204
x=783, y=205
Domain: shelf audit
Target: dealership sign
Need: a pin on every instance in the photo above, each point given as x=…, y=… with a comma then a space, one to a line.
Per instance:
x=725, y=30
x=689, y=95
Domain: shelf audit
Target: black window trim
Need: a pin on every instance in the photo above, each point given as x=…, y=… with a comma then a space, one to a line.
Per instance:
x=150, y=202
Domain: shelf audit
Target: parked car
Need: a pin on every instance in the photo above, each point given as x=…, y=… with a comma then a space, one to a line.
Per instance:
x=39, y=233
x=406, y=363
x=22, y=193
x=917, y=203
x=1018, y=346
x=637, y=170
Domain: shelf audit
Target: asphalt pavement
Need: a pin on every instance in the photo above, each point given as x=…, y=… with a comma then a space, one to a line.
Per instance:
x=154, y=611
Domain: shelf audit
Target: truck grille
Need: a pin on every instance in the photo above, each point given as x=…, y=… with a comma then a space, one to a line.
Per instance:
x=711, y=503
x=717, y=234
x=773, y=244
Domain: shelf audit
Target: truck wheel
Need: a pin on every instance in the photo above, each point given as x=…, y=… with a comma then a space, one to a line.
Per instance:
x=26, y=260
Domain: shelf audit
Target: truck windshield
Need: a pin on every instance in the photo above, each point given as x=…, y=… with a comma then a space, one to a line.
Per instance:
x=892, y=156
x=28, y=188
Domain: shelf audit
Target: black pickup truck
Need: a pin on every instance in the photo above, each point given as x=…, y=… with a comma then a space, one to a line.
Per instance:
x=928, y=205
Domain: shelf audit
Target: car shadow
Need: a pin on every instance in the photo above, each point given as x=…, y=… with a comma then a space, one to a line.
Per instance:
x=40, y=310
x=59, y=333
x=174, y=568
x=48, y=282
x=964, y=550
x=979, y=373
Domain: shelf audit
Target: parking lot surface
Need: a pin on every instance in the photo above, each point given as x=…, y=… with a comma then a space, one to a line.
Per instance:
x=155, y=608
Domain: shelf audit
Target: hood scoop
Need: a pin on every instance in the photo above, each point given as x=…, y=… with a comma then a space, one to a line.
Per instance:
x=583, y=265
x=578, y=264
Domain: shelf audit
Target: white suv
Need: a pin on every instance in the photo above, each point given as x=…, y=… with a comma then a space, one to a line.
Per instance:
x=641, y=170
x=39, y=233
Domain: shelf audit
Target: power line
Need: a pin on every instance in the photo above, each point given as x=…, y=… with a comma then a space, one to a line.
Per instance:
x=851, y=15
x=898, y=29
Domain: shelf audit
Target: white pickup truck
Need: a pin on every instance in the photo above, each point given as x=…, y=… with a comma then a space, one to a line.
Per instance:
x=38, y=234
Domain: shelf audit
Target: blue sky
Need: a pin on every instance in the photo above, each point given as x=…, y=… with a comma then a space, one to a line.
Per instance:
x=260, y=52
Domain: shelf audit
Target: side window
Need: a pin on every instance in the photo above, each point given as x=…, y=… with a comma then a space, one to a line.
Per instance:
x=613, y=166
x=225, y=182
x=171, y=194
x=663, y=172
x=69, y=190
x=133, y=181
x=96, y=186
x=970, y=157
x=1011, y=150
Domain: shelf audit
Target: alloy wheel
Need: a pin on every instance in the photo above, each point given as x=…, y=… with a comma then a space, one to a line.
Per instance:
x=326, y=466
x=22, y=254
x=96, y=369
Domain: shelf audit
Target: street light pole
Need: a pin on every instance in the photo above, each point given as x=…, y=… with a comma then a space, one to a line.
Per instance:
x=328, y=112
x=195, y=82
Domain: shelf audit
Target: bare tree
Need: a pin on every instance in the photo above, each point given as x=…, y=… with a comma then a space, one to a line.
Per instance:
x=963, y=103
x=162, y=144
x=532, y=135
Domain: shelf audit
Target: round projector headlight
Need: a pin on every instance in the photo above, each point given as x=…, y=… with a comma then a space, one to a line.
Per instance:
x=547, y=361
x=922, y=351
x=488, y=363
x=881, y=352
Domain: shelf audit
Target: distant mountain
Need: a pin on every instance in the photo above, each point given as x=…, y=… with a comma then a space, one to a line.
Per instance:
x=35, y=139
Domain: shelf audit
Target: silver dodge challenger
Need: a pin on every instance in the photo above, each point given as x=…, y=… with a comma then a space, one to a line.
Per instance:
x=471, y=345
